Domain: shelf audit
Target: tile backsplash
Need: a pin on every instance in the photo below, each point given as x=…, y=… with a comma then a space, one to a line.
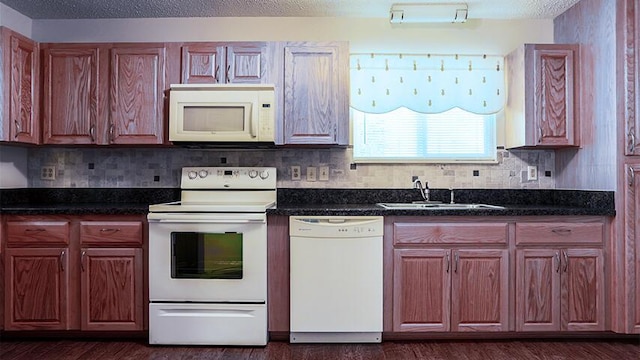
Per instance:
x=160, y=167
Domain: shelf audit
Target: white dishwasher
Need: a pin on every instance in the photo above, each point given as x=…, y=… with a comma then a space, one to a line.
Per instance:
x=336, y=279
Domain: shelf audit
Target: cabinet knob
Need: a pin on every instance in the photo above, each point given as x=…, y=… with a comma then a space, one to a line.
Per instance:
x=632, y=176
x=62, y=254
x=82, y=260
x=18, y=129
x=632, y=141
x=92, y=133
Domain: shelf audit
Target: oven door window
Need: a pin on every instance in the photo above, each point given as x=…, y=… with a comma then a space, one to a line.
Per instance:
x=206, y=255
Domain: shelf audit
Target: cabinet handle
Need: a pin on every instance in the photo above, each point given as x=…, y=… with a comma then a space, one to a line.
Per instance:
x=111, y=230
x=557, y=262
x=632, y=176
x=227, y=73
x=92, y=133
x=111, y=128
x=82, y=260
x=216, y=75
x=18, y=128
x=456, y=258
x=448, y=263
x=632, y=141
x=35, y=230
x=561, y=231
x=62, y=260
x=539, y=134
x=566, y=260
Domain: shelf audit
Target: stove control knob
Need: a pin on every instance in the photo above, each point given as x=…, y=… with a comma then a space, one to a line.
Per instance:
x=264, y=174
x=192, y=174
x=253, y=174
x=203, y=173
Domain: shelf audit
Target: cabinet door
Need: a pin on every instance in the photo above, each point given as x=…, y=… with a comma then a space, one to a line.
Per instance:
x=632, y=240
x=71, y=95
x=582, y=295
x=21, y=120
x=137, y=95
x=246, y=63
x=421, y=290
x=201, y=63
x=538, y=290
x=36, y=283
x=629, y=42
x=480, y=290
x=555, y=75
x=315, y=95
x=112, y=289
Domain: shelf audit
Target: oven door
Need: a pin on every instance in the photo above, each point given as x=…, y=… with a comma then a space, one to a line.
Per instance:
x=207, y=257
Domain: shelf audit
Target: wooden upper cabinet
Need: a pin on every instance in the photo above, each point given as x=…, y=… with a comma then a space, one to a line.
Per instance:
x=137, y=79
x=19, y=118
x=103, y=93
x=629, y=53
x=543, y=104
x=316, y=94
x=73, y=102
x=219, y=63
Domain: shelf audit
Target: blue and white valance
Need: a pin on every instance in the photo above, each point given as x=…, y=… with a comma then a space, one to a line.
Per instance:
x=427, y=83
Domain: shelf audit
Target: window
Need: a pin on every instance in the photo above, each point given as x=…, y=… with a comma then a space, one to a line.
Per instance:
x=421, y=108
x=407, y=136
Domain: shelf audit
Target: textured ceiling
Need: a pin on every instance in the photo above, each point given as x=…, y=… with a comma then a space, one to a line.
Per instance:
x=94, y=9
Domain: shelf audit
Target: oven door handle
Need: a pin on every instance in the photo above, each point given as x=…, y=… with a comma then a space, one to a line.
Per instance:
x=237, y=218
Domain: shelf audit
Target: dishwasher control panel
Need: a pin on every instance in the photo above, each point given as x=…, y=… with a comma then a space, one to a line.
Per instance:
x=336, y=226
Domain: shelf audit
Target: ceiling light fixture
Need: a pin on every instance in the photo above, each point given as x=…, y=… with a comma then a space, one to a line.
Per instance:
x=428, y=13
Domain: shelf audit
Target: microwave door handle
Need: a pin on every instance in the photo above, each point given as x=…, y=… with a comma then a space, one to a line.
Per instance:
x=254, y=127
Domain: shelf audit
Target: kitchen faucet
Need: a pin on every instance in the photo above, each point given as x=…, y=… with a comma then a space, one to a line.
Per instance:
x=424, y=191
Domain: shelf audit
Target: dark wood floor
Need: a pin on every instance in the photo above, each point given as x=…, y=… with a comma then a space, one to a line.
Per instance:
x=392, y=350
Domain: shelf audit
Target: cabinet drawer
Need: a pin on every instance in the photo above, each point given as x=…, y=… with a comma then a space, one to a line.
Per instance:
x=559, y=233
x=110, y=232
x=450, y=233
x=21, y=233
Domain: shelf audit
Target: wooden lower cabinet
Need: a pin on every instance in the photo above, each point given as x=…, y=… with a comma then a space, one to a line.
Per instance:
x=560, y=289
x=450, y=290
x=111, y=284
x=36, y=288
x=74, y=273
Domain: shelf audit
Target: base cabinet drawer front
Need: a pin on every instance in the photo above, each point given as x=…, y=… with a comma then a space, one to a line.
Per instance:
x=560, y=289
x=450, y=290
x=450, y=233
x=112, y=289
x=36, y=289
x=110, y=233
x=38, y=233
x=559, y=232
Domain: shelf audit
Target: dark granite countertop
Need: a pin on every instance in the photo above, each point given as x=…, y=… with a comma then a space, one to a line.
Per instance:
x=83, y=201
x=315, y=202
x=516, y=202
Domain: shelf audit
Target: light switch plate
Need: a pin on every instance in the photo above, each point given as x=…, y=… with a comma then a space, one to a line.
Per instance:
x=323, y=174
x=311, y=173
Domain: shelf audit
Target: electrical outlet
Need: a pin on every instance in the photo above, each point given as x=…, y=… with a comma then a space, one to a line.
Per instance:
x=323, y=174
x=532, y=173
x=295, y=173
x=311, y=173
x=48, y=173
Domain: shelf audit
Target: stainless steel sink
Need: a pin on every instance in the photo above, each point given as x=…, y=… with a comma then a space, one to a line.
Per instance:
x=430, y=206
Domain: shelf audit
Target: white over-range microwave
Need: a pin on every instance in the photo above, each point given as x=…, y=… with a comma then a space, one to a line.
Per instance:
x=222, y=114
